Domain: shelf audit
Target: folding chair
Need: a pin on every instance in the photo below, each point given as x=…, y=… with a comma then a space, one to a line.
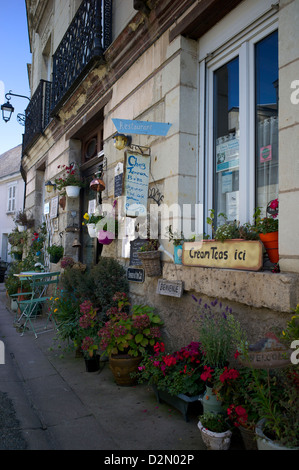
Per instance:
x=39, y=283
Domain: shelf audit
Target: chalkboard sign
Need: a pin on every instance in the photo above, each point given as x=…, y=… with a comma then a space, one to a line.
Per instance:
x=118, y=179
x=135, y=274
x=134, y=249
x=136, y=184
x=118, y=185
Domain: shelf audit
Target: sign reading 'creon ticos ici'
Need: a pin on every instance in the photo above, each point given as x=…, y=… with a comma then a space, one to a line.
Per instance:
x=229, y=254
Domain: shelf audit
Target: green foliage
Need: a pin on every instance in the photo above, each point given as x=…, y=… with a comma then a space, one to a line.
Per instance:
x=231, y=230
x=177, y=372
x=129, y=333
x=98, y=284
x=214, y=422
x=150, y=245
x=174, y=237
x=265, y=224
x=219, y=332
x=56, y=251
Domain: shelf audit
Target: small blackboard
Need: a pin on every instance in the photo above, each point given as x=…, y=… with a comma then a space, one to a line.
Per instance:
x=118, y=185
x=135, y=274
x=134, y=249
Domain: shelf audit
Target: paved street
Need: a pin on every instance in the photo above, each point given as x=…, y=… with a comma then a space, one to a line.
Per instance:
x=49, y=402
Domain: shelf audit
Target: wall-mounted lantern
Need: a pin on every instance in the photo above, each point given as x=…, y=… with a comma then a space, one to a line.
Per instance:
x=121, y=141
x=50, y=186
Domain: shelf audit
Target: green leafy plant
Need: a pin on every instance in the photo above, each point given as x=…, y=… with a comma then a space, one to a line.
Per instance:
x=219, y=332
x=91, y=218
x=267, y=224
x=177, y=373
x=175, y=237
x=150, y=245
x=214, y=422
x=231, y=230
x=129, y=333
x=56, y=251
x=16, y=238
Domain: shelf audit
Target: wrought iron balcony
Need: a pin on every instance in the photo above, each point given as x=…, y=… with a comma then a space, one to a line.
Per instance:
x=37, y=114
x=82, y=46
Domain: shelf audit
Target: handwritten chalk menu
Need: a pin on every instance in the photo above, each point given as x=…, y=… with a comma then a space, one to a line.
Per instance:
x=135, y=246
x=118, y=179
x=136, y=184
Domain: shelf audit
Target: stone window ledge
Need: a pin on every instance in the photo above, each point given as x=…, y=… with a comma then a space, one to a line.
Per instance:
x=276, y=291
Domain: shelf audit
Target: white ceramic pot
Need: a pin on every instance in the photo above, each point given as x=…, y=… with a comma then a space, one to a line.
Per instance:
x=92, y=230
x=72, y=191
x=265, y=443
x=215, y=440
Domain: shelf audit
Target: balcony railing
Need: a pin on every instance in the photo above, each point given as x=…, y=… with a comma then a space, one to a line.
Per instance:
x=83, y=45
x=37, y=114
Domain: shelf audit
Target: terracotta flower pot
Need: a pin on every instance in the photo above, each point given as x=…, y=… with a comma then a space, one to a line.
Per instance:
x=122, y=366
x=270, y=242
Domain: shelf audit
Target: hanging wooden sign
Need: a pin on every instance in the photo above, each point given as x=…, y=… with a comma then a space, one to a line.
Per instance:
x=229, y=254
x=136, y=184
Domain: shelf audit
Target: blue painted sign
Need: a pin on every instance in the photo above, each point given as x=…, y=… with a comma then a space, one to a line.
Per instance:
x=136, y=184
x=126, y=126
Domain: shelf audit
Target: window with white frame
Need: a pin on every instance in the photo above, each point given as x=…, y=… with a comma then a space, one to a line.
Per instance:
x=11, y=198
x=239, y=121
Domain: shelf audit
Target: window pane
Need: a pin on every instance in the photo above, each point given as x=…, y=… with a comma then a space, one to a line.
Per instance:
x=266, y=112
x=226, y=140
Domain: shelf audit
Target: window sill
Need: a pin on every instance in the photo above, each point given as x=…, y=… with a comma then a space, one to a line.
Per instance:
x=276, y=291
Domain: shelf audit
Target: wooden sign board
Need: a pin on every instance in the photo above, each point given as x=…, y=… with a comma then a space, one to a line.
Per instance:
x=135, y=274
x=230, y=254
x=268, y=353
x=171, y=288
x=136, y=184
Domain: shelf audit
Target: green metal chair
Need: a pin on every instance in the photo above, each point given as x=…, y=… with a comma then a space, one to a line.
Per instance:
x=39, y=283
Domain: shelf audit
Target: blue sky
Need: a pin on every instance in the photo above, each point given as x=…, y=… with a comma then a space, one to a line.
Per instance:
x=14, y=56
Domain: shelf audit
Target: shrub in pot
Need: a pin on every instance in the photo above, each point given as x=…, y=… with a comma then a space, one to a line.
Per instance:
x=55, y=252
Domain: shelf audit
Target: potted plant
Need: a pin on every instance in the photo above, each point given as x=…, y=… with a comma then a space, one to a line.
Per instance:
x=127, y=335
x=90, y=220
x=267, y=228
x=215, y=431
x=177, y=240
x=22, y=221
x=106, y=231
x=70, y=180
x=175, y=377
x=231, y=230
x=55, y=252
x=219, y=335
x=89, y=325
x=151, y=257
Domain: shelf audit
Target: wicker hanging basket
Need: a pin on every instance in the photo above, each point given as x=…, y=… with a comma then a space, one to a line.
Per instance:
x=151, y=261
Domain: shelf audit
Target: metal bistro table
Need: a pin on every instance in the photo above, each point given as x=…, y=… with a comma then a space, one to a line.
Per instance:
x=28, y=302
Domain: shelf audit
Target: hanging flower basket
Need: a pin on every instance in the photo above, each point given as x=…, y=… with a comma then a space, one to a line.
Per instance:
x=151, y=261
x=105, y=237
x=72, y=191
x=270, y=242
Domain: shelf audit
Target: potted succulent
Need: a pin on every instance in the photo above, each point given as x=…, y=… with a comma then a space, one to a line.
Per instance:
x=55, y=252
x=215, y=431
x=267, y=228
x=71, y=181
x=175, y=377
x=127, y=335
x=151, y=257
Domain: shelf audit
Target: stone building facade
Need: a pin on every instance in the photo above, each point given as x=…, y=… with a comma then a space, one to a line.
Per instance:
x=213, y=70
